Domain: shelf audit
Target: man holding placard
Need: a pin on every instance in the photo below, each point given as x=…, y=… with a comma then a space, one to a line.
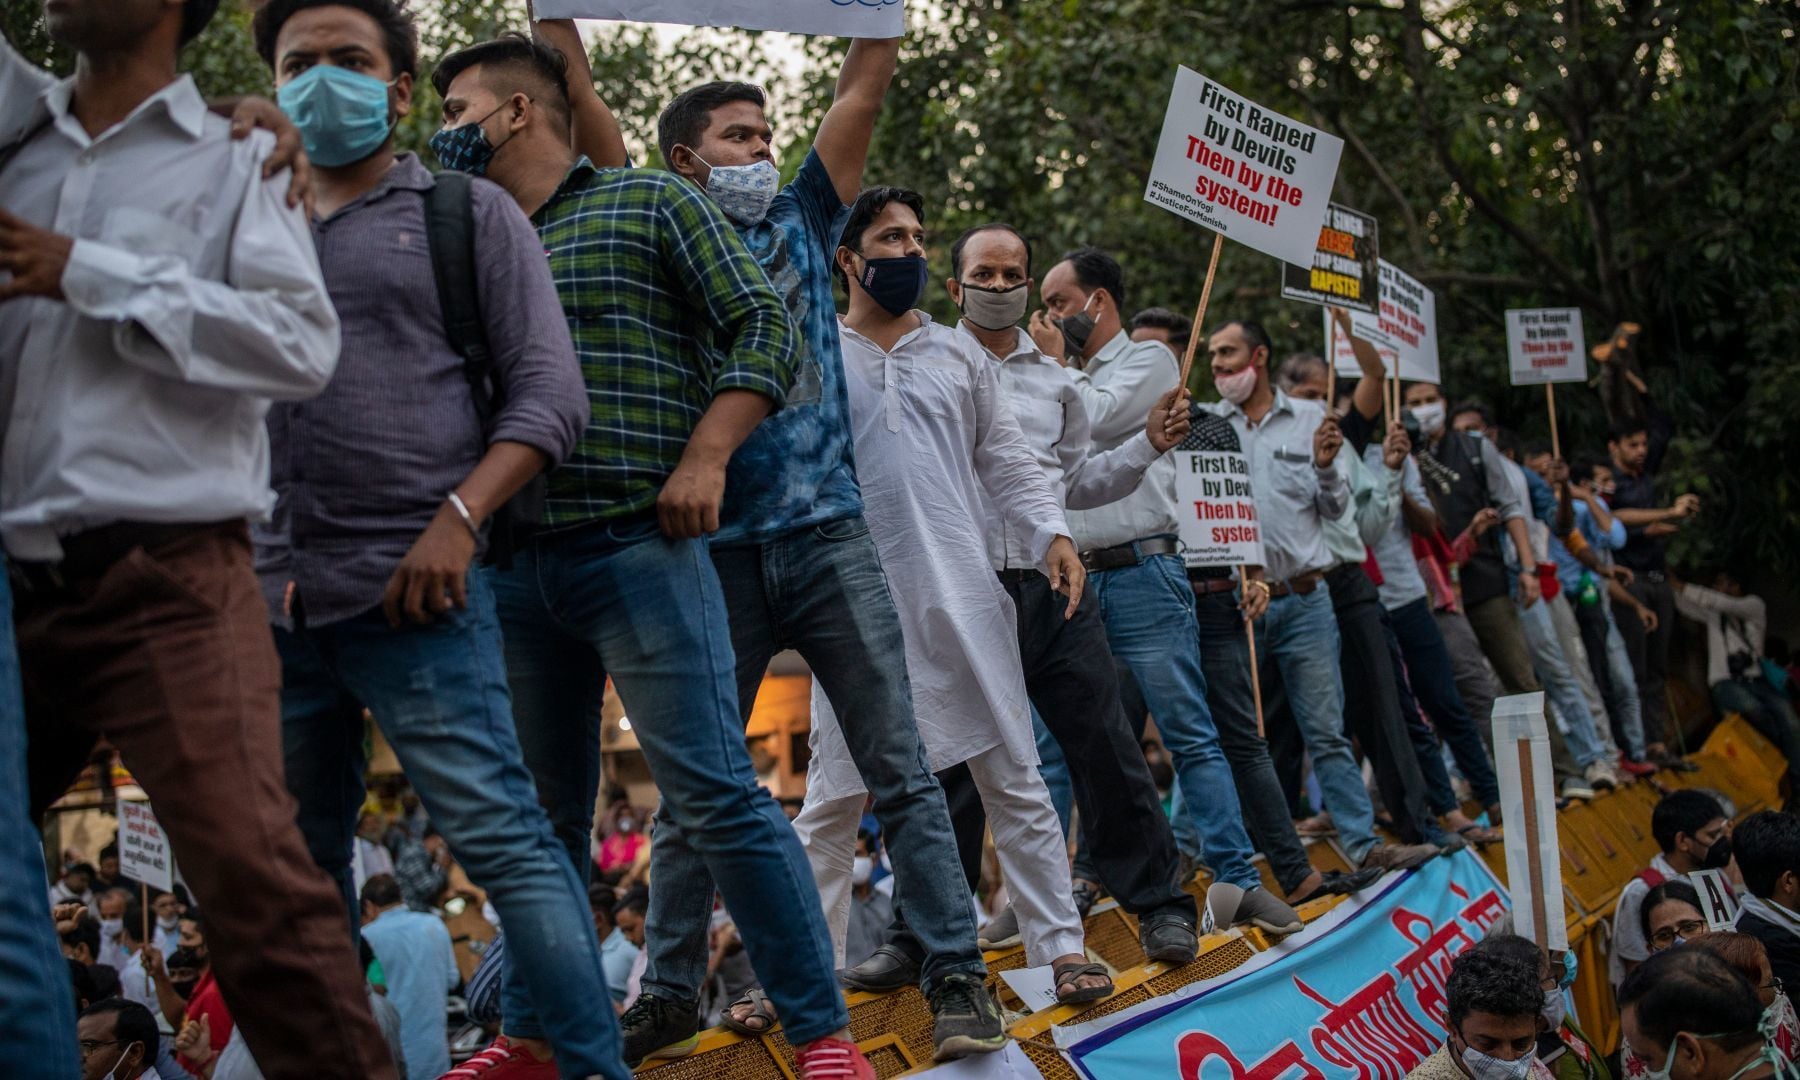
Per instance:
x=1132, y=550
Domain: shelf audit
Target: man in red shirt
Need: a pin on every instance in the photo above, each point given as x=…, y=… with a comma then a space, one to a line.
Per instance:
x=190, y=976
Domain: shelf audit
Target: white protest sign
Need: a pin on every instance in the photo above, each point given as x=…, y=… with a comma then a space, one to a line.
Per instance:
x=836, y=18
x=1717, y=902
x=1247, y=173
x=1404, y=331
x=1544, y=345
x=1528, y=805
x=1343, y=355
x=1215, y=509
x=143, y=849
x=1036, y=987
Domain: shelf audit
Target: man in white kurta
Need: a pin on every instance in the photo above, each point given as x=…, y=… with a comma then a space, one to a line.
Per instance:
x=936, y=444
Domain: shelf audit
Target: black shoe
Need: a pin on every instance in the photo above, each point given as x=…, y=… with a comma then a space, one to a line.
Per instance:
x=1338, y=883
x=968, y=1021
x=1168, y=937
x=1087, y=894
x=888, y=970
x=656, y=1027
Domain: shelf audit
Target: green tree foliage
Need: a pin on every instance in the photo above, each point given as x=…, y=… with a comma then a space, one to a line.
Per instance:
x=1624, y=156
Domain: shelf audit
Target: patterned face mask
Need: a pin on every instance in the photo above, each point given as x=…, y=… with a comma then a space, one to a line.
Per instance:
x=744, y=192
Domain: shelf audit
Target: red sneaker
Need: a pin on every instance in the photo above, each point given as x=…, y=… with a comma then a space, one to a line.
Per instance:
x=1636, y=768
x=834, y=1059
x=503, y=1061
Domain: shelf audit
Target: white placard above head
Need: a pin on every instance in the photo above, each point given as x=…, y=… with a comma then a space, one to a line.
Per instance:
x=1215, y=509
x=1239, y=169
x=836, y=18
x=1545, y=345
x=1717, y=902
x=1406, y=327
x=143, y=849
x=1343, y=354
x=1519, y=721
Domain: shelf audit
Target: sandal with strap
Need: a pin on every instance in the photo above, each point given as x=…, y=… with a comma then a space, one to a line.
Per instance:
x=1480, y=835
x=760, y=1009
x=1067, y=976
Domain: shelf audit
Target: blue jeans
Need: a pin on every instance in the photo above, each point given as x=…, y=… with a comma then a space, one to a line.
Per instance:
x=1298, y=638
x=36, y=1007
x=1431, y=674
x=1552, y=667
x=581, y=604
x=1149, y=613
x=821, y=591
x=439, y=693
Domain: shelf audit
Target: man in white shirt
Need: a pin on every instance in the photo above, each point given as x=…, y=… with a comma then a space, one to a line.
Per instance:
x=1131, y=549
x=1694, y=834
x=935, y=446
x=161, y=292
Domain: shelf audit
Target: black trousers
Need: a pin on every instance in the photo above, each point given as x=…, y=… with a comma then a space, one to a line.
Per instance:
x=1070, y=677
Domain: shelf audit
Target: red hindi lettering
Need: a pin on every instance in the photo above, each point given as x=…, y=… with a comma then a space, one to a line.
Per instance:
x=1194, y=1049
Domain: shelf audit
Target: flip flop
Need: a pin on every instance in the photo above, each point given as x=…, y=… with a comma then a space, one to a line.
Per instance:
x=1066, y=974
x=760, y=1009
x=1480, y=835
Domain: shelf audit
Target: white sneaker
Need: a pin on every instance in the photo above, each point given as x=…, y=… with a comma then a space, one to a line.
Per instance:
x=1601, y=777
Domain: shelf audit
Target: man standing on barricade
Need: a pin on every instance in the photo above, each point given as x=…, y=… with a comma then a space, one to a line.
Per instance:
x=685, y=348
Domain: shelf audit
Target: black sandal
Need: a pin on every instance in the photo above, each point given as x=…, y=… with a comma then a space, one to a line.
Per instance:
x=1066, y=976
x=760, y=1009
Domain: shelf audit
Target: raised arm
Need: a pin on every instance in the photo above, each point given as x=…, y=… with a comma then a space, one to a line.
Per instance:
x=1367, y=397
x=593, y=129
x=844, y=134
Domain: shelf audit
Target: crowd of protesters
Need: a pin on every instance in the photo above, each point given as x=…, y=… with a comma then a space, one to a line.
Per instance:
x=458, y=448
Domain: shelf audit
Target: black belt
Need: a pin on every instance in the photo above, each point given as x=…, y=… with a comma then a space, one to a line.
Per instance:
x=1120, y=556
x=1298, y=585
x=89, y=554
x=1208, y=586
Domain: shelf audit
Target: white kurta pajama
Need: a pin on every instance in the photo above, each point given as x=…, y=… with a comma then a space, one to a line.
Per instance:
x=936, y=445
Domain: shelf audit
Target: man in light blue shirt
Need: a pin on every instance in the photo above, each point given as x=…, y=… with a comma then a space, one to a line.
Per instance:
x=420, y=965
x=617, y=951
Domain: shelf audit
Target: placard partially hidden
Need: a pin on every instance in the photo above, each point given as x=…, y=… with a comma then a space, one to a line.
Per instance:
x=863, y=18
x=1214, y=509
x=1036, y=987
x=1534, y=878
x=143, y=849
x=1717, y=901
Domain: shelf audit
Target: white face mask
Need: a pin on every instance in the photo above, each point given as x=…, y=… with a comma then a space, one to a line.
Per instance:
x=1430, y=416
x=1769, y=1055
x=861, y=869
x=1556, y=1008
x=1488, y=1067
x=110, y=928
x=1237, y=386
x=169, y=923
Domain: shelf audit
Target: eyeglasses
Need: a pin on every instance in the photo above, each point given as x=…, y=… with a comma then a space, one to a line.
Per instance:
x=1687, y=928
x=88, y=1046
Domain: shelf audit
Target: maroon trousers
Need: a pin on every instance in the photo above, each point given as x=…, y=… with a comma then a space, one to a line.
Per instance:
x=167, y=653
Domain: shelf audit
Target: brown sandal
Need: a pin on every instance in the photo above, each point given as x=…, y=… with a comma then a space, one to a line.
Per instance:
x=1066, y=976
x=760, y=1009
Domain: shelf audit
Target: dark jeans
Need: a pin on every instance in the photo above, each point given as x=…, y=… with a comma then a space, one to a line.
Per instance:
x=1372, y=704
x=1225, y=657
x=821, y=591
x=1650, y=651
x=1431, y=676
x=167, y=655
x=1440, y=794
x=439, y=693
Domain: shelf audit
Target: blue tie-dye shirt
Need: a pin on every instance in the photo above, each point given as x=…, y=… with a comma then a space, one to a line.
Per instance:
x=795, y=471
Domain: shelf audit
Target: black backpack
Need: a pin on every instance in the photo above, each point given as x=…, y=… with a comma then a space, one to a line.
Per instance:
x=450, y=234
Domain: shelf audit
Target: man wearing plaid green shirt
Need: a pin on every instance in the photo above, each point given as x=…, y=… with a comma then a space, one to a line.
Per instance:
x=685, y=347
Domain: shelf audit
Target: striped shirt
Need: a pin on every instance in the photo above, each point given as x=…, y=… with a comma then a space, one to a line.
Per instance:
x=667, y=308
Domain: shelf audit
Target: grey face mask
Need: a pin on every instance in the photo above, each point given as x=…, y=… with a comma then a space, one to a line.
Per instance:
x=994, y=309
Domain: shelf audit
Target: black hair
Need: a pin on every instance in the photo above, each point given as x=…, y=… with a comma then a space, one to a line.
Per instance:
x=513, y=64
x=686, y=118
x=134, y=1024
x=1254, y=335
x=1692, y=990
x=636, y=901
x=1685, y=811
x=110, y=851
x=1180, y=327
x=1582, y=465
x=134, y=919
x=81, y=983
x=85, y=932
x=1299, y=367
x=602, y=899
x=82, y=868
x=956, y=249
x=1537, y=447
x=1767, y=844
x=1675, y=889
x=1491, y=981
x=399, y=33
x=1095, y=269
x=1472, y=406
x=382, y=891
x=1512, y=945
x=195, y=15
x=867, y=207
x=1624, y=428
x=1507, y=440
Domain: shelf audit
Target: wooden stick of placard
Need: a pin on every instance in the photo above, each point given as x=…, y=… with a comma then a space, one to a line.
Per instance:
x=1255, y=670
x=1555, y=439
x=1212, y=269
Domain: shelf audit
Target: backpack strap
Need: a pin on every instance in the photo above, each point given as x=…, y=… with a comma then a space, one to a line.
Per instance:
x=450, y=234
x=1651, y=876
x=11, y=149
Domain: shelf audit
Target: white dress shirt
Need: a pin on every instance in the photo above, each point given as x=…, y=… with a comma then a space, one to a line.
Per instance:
x=194, y=297
x=1374, y=504
x=1293, y=499
x=21, y=82
x=1055, y=424
x=1118, y=387
x=935, y=446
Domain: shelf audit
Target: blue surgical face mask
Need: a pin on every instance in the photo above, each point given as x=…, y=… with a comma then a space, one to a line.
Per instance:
x=466, y=147
x=743, y=192
x=343, y=116
x=895, y=283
